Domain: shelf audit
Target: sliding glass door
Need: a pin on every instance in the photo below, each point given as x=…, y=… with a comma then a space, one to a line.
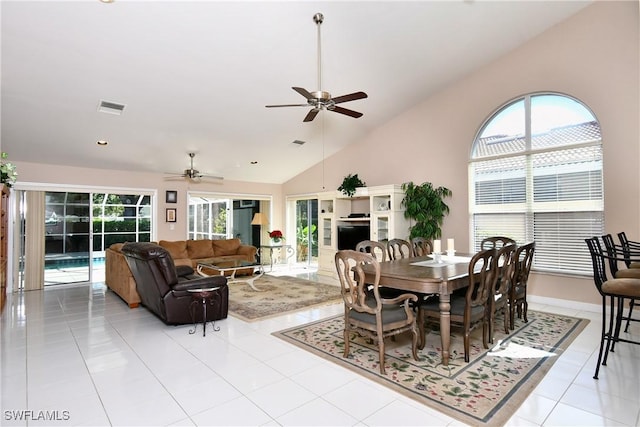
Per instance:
x=78, y=228
x=306, y=219
x=68, y=237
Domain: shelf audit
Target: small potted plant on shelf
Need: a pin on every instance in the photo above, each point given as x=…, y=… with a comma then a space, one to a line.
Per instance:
x=349, y=185
x=276, y=237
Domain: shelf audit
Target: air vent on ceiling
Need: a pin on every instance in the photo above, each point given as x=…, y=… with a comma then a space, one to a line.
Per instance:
x=298, y=142
x=110, y=107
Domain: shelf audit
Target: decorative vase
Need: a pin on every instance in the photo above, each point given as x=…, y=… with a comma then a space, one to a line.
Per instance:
x=276, y=242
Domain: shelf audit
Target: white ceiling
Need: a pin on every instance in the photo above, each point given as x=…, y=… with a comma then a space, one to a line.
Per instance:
x=196, y=76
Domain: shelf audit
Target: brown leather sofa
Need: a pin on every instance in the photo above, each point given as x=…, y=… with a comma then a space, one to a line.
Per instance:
x=165, y=293
x=119, y=279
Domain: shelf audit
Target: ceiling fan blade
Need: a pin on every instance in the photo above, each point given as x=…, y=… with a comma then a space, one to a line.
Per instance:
x=345, y=111
x=303, y=92
x=287, y=105
x=311, y=115
x=349, y=97
x=205, y=176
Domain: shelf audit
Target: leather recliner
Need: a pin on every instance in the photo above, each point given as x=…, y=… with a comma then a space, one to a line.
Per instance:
x=164, y=290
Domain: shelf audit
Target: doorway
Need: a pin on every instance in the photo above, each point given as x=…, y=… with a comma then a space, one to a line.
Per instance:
x=306, y=220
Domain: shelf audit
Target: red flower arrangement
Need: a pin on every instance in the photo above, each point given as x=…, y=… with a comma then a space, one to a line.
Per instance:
x=276, y=235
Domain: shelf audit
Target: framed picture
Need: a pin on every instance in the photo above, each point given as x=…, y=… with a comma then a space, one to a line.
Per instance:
x=171, y=215
x=172, y=196
x=247, y=203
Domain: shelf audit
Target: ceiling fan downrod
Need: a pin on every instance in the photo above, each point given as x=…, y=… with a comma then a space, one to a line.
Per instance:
x=318, y=18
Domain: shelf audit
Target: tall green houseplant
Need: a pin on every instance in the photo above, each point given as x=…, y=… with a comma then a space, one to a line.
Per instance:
x=425, y=205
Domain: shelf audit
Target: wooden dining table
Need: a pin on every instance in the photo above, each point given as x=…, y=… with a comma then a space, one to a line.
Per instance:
x=425, y=275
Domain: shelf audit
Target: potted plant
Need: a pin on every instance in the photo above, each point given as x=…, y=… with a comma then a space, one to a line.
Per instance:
x=349, y=185
x=425, y=205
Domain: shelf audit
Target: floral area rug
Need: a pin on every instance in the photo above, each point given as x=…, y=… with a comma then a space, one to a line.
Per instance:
x=278, y=295
x=485, y=391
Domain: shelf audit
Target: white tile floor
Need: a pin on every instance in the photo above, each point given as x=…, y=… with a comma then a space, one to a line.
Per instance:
x=83, y=355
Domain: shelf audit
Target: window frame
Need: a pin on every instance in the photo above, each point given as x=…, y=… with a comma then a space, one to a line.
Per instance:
x=591, y=206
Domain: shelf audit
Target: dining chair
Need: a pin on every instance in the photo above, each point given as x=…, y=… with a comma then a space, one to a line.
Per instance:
x=616, y=290
x=379, y=250
x=398, y=249
x=421, y=246
x=369, y=314
x=496, y=242
x=469, y=310
x=502, y=266
x=522, y=261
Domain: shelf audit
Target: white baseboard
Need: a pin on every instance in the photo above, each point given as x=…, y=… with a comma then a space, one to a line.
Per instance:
x=564, y=303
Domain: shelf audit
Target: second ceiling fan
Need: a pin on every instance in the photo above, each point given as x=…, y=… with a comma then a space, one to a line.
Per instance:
x=322, y=100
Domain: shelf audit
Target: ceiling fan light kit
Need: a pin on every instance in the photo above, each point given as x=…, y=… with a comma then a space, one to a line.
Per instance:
x=320, y=99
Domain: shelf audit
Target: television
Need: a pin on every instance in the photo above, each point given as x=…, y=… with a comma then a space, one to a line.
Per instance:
x=350, y=235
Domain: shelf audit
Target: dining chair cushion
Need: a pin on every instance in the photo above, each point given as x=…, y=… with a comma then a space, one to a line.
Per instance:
x=624, y=287
x=458, y=304
x=390, y=313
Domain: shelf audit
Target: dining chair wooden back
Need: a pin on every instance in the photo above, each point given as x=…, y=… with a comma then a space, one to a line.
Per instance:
x=614, y=289
x=367, y=313
x=468, y=310
x=379, y=250
x=421, y=246
x=398, y=249
x=522, y=261
x=496, y=242
x=503, y=269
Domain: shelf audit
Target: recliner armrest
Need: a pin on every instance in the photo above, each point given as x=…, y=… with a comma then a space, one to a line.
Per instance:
x=199, y=283
x=184, y=270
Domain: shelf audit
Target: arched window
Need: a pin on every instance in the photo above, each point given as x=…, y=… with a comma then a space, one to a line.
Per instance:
x=536, y=174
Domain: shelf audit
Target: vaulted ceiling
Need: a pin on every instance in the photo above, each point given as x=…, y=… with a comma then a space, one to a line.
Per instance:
x=196, y=76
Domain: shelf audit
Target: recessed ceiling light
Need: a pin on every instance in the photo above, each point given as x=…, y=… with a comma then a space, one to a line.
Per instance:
x=106, y=1
x=102, y=143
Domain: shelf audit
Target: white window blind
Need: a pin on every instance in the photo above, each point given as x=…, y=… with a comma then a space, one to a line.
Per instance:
x=543, y=183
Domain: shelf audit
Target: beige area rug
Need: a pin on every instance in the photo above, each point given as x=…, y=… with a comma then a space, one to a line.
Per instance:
x=277, y=296
x=486, y=391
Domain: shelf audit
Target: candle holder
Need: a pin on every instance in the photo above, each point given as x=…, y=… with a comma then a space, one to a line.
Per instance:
x=451, y=252
x=437, y=257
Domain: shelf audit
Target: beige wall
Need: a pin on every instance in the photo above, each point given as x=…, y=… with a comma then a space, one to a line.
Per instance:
x=592, y=57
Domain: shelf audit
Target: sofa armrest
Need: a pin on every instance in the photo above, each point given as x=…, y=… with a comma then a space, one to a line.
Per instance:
x=248, y=251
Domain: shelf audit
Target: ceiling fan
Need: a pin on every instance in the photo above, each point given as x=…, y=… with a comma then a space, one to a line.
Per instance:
x=193, y=174
x=322, y=100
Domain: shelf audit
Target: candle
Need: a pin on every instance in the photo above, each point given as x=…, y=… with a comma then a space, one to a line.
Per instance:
x=450, y=246
x=436, y=246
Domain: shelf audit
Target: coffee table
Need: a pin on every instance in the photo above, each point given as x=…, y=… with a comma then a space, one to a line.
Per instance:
x=233, y=266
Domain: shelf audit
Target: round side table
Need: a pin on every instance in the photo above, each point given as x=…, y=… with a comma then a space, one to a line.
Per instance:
x=203, y=297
